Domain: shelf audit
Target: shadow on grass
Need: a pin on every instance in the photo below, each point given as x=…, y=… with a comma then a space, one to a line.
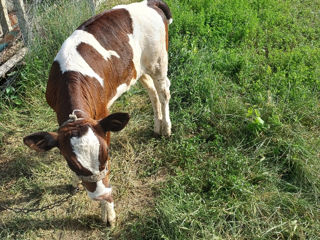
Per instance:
x=140, y=136
x=18, y=162
x=85, y=222
x=144, y=135
x=16, y=180
x=36, y=196
x=12, y=202
x=138, y=227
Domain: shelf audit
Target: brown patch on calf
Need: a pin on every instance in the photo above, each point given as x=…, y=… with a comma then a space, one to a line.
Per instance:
x=64, y=93
x=90, y=186
x=167, y=36
x=104, y=146
x=55, y=80
x=71, y=90
x=104, y=158
x=106, y=25
x=111, y=30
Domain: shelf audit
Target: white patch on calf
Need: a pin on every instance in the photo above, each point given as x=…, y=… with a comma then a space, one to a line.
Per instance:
x=150, y=56
x=86, y=148
x=70, y=59
x=87, y=151
x=120, y=90
x=111, y=213
x=148, y=38
x=136, y=51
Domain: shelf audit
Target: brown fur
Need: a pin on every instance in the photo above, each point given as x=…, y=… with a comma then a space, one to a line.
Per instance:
x=72, y=90
x=112, y=34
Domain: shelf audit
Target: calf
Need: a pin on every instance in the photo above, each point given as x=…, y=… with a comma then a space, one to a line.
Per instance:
x=100, y=61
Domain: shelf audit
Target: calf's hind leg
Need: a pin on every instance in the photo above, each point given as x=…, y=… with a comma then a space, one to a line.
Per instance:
x=147, y=82
x=162, y=84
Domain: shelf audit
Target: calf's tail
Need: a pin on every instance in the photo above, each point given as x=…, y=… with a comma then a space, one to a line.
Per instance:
x=161, y=5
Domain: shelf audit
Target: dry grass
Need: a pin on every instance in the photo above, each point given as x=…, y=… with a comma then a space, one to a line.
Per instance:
x=30, y=179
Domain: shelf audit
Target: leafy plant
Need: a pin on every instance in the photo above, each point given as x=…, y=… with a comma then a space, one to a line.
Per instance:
x=255, y=122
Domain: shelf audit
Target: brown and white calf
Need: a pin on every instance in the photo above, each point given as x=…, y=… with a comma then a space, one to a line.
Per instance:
x=100, y=61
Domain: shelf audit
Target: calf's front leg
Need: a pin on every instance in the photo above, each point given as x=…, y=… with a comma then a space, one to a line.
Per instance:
x=107, y=212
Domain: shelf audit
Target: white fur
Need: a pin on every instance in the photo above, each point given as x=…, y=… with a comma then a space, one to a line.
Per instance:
x=101, y=189
x=111, y=213
x=120, y=90
x=150, y=57
x=86, y=148
x=70, y=59
x=136, y=53
x=148, y=32
x=108, y=213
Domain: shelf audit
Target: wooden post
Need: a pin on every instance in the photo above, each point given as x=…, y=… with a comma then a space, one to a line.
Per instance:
x=94, y=4
x=4, y=18
x=4, y=68
x=23, y=21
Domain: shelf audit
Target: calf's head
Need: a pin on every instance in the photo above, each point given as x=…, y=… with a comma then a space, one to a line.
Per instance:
x=84, y=144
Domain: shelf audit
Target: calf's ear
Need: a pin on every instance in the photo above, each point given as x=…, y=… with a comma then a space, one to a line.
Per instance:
x=114, y=122
x=41, y=141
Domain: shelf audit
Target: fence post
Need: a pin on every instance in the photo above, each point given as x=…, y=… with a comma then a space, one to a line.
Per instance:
x=4, y=18
x=23, y=21
x=92, y=6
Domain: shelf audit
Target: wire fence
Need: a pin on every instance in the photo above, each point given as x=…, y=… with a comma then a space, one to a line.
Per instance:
x=24, y=27
x=16, y=19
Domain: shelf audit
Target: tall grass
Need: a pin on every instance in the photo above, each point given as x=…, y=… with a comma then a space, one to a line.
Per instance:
x=246, y=116
x=51, y=23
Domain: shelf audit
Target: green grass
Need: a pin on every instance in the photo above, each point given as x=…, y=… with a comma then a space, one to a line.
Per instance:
x=243, y=161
